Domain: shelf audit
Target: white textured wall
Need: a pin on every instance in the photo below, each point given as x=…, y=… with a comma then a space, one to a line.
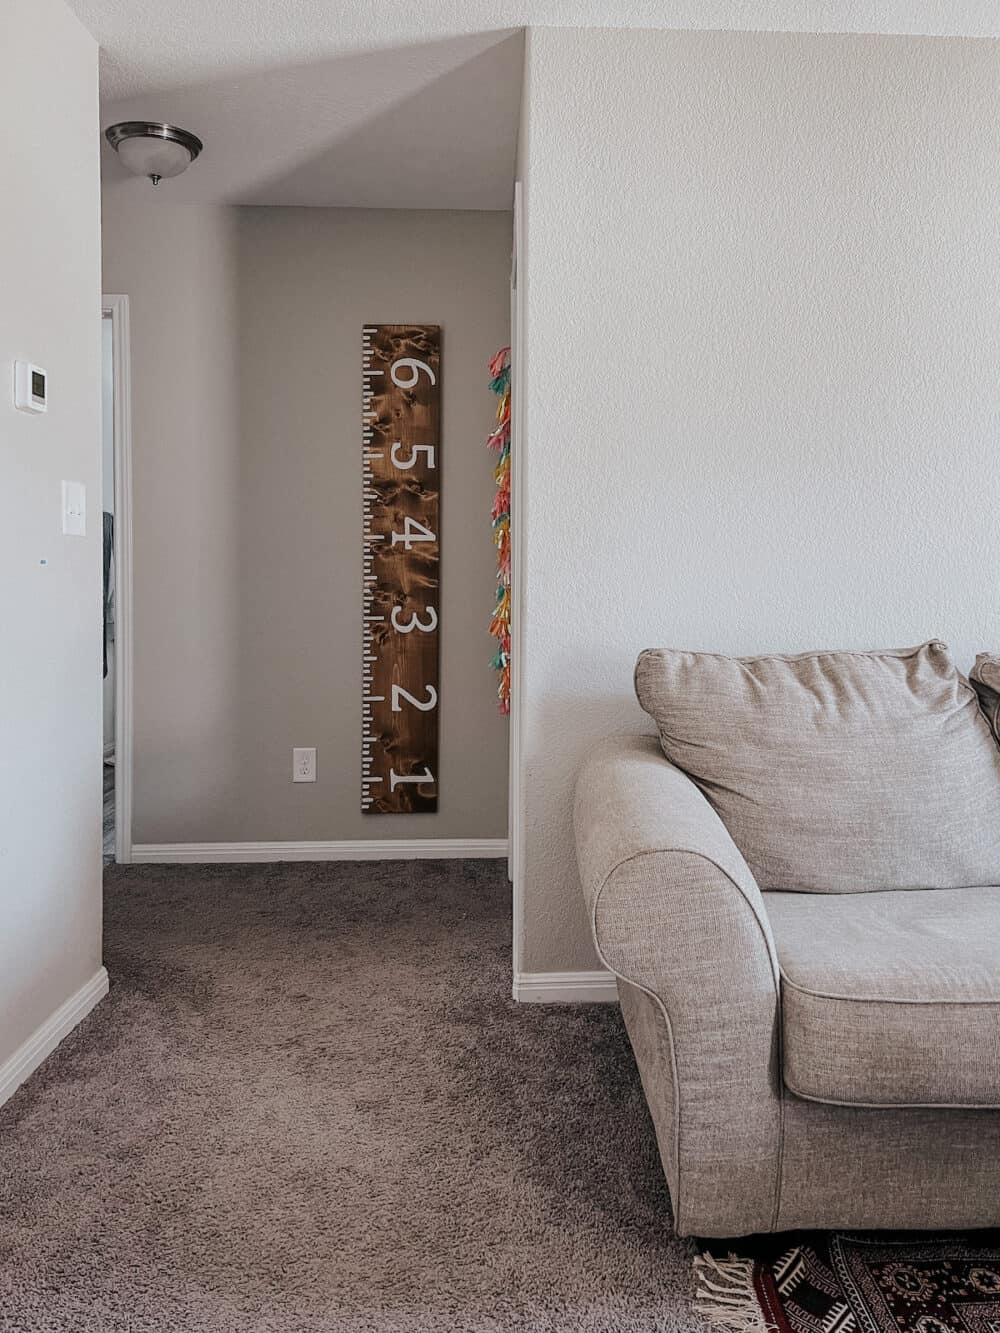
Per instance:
x=763, y=410
x=50, y=668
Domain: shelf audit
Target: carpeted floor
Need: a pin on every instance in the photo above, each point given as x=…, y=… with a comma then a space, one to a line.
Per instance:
x=309, y=1106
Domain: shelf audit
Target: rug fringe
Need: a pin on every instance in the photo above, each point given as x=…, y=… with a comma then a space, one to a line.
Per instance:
x=725, y=1294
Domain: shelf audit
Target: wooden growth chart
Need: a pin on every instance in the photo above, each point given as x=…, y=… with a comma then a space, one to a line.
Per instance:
x=402, y=555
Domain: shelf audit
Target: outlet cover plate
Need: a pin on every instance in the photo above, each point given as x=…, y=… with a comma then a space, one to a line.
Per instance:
x=74, y=509
x=304, y=763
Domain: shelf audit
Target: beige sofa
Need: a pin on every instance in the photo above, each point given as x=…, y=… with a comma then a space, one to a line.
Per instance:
x=819, y=1044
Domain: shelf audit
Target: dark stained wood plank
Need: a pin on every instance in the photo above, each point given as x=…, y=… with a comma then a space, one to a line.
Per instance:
x=402, y=495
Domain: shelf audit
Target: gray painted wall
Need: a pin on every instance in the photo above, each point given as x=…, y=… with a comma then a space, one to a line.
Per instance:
x=773, y=260
x=50, y=715
x=246, y=327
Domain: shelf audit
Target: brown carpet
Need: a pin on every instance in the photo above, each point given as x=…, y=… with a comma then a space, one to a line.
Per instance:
x=309, y=1105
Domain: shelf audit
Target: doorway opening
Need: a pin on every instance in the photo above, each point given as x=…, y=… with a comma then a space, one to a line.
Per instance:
x=116, y=518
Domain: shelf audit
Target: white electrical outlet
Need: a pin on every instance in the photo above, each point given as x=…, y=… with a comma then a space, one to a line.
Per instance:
x=304, y=763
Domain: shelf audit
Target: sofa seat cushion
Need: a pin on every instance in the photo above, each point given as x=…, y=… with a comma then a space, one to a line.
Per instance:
x=836, y=772
x=890, y=999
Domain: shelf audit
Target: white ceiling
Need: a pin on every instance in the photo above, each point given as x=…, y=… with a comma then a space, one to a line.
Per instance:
x=428, y=126
x=390, y=103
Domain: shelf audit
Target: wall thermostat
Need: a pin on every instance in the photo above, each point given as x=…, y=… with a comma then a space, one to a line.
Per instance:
x=31, y=387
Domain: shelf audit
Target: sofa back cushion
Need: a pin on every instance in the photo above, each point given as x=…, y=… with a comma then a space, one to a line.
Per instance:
x=836, y=772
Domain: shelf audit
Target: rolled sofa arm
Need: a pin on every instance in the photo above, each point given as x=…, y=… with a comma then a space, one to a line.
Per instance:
x=678, y=917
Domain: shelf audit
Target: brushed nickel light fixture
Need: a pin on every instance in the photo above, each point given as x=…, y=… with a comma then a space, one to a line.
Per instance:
x=153, y=149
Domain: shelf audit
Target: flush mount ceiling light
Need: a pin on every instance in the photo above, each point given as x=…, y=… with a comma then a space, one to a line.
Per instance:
x=152, y=149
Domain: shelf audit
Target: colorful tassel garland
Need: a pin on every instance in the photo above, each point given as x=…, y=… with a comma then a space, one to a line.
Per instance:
x=499, y=439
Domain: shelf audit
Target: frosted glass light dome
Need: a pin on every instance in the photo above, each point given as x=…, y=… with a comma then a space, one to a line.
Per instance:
x=153, y=149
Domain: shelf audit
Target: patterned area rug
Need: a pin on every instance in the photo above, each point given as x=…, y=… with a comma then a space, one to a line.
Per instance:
x=876, y=1283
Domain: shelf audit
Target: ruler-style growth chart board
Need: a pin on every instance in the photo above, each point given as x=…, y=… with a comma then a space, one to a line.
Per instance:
x=402, y=555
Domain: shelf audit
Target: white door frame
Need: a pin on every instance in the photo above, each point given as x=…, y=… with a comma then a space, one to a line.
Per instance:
x=116, y=307
x=515, y=830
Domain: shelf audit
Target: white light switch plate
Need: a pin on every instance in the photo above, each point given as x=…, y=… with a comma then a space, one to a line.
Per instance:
x=304, y=764
x=74, y=509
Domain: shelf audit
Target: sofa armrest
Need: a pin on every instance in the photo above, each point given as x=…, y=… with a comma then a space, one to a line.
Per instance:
x=677, y=915
x=632, y=802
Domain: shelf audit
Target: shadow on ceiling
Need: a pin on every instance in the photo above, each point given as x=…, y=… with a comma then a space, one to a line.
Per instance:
x=432, y=125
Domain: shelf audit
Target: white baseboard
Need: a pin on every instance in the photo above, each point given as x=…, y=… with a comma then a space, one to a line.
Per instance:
x=387, y=849
x=45, y=1039
x=565, y=987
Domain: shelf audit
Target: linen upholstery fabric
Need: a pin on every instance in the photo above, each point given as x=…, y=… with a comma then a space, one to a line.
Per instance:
x=676, y=913
x=836, y=772
x=677, y=916
x=890, y=999
x=650, y=1038
x=899, y=1169
x=985, y=680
